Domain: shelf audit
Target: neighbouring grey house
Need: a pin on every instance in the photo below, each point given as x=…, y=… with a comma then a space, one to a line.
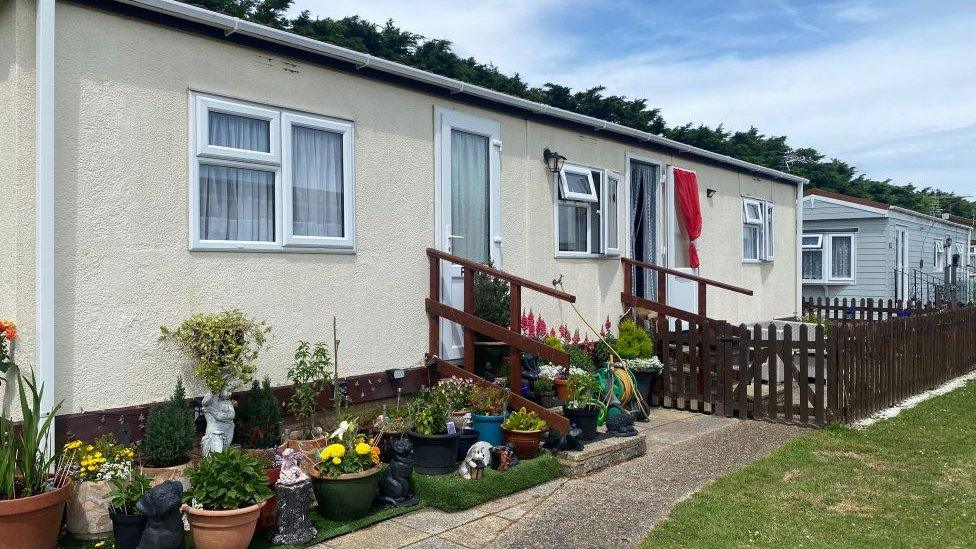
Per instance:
x=857, y=248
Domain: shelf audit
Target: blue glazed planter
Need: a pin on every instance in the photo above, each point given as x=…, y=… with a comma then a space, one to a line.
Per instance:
x=489, y=428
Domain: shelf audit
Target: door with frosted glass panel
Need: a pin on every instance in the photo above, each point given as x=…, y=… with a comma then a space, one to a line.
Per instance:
x=469, y=163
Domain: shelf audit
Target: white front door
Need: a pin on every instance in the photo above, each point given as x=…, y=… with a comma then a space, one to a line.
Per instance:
x=468, y=166
x=901, y=273
x=682, y=293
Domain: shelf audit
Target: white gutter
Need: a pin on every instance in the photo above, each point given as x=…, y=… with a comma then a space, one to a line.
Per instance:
x=233, y=25
x=44, y=202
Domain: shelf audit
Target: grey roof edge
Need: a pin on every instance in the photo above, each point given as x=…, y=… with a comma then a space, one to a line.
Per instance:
x=232, y=25
x=913, y=213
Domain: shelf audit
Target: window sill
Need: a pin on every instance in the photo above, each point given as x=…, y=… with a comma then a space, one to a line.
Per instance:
x=757, y=261
x=828, y=282
x=270, y=249
x=584, y=255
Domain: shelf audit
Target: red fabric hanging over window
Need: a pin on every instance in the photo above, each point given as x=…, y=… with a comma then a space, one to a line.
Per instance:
x=686, y=191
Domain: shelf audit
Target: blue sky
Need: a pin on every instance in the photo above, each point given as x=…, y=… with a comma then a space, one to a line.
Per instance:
x=889, y=86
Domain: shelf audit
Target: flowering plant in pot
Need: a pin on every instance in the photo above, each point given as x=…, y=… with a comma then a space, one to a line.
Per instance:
x=487, y=412
x=310, y=374
x=582, y=406
x=31, y=498
x=646, y=372
x=225, y=346
x=347, y=475
x=545, y=384
x=390, y=425
x=92, y=468
x=127, y=522
x=169, y=437
x=457, y=391
x=524, y=430
x=227, y=491
x=434, y=448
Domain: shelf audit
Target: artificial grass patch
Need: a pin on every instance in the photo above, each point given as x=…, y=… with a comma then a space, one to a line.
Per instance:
x=328, y=529
x=452, y=493
x=904, y=482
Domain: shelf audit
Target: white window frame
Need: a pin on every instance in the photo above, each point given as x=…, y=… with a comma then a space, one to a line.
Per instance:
x=830, y=263
x=824, y=244
x=574, y=196
x=816, y=246
x=602, y=204
x=610, y=180
x=764, y=222
x=938, y=256
x=819, y=247
x=278, y=161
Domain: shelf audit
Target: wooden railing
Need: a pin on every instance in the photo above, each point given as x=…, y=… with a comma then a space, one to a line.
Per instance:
x=660, y=306
x=471, y=324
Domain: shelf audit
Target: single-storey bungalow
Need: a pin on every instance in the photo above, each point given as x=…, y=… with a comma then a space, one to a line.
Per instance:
x=160, y=160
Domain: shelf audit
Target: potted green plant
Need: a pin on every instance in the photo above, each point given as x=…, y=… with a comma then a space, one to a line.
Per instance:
x=310, y=375
x=633, y=341
x=434, y=449
x=127, y=522
x=225, y=346
x=492, y=303
x=389, y=426
x=457, y=391
x=31, y=498
x=524, y=430
x=544, y=387
x=487, y=412
x=227, y=491
x=92, y=468
x=646, y=372
x=347, y=475
x=559, y=379
x=582, y=408
x=168, y=439
x=258, y=431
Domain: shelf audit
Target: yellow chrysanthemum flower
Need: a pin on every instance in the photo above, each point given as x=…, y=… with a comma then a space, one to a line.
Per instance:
x=336, y=460
x=362, y=448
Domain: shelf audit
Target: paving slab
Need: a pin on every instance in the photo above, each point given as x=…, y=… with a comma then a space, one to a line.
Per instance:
x=433, y=521
x=479, y=533
x=434, y=543
x=384, y=535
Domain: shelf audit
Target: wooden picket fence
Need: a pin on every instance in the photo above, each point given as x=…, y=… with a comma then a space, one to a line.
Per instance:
x=810, y=374
x=862, y=309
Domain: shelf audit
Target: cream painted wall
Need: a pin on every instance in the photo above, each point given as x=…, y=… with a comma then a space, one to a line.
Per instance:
x=122, y=262
x=8, y=138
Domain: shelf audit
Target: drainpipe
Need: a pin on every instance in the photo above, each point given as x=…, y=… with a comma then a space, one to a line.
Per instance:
x=44, y=203
x=798, y=302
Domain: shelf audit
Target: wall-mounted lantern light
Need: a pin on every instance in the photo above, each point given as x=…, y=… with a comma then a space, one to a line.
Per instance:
x=554, y=161
x=710, y=192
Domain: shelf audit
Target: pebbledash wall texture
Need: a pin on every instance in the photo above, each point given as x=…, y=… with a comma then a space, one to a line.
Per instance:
x=122, y=261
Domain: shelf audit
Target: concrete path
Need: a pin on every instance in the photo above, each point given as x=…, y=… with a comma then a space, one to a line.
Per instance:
x=611, y=508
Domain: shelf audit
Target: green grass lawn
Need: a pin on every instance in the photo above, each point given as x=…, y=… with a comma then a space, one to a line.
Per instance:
x=906, y=482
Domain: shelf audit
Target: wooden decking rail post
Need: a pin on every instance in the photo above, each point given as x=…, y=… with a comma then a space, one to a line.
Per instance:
x=514, y=354
x=433, y=321
x=468, y=308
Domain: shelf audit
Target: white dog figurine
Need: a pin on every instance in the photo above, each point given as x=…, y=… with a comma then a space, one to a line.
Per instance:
x=479, y=454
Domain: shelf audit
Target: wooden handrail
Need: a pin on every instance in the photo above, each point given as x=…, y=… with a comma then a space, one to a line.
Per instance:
x=475, y=266
x=679, y=274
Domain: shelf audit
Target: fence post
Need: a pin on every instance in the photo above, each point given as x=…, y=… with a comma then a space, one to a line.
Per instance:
x=433, y=321
x=515, y=323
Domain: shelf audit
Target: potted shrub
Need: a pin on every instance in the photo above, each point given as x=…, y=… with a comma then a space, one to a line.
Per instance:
x=92, y=468
x=633, y=341
x=227, y=490
x=270, y=461
x=434, y=449
x=487, y=412
x=347, y=475
x=310, y=374
x=646, y=371
x=225, y=346
x=524, y=430
x=258, y=418
x=544, y=387
x=492, y=303
x=127, y=522
x=31, y=499
x=582, y=407
x=169, y=436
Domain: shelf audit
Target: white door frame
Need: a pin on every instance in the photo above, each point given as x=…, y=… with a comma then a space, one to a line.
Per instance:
x=682, y=293
x=445, y=120
x=656, y=248
x=901, y=261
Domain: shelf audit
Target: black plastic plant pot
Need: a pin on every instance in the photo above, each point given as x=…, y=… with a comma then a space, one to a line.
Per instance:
x=466, y=440
x=645, y=386
x=127, y=530
x=434, y=454
x=584, y=419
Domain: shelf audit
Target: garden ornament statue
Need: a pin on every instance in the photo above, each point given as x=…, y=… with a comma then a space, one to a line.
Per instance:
x=503, y=457
x=479, y=455
x=294, y=496
x=164, y=528
x=395, y=484
x=219, y=411
x=557, y=442
x=621, y=425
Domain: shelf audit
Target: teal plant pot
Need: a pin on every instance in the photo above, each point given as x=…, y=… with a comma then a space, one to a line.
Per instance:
x=346, y=497
x=489, y=428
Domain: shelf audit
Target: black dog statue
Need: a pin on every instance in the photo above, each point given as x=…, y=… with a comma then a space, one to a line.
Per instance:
x=621, y=425
x=570, y=441
x=164, y=529
x=395, y=484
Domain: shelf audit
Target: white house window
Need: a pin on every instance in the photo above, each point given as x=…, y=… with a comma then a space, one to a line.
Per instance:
x=587, y=220
x=269, y=179
x=938, y=256
x=828, y=258
x=757, y=230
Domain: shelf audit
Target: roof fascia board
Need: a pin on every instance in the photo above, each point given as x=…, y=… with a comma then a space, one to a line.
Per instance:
x=831, y=200
x=232, y=25
x=913, y=213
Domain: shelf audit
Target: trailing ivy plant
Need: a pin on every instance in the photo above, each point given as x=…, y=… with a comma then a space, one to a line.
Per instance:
x=170, y=433
x=310, y=375
x=225, y=346
x=227, y=480
x=259, y=417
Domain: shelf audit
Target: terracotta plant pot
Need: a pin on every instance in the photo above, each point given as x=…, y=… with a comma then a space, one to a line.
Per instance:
x=269, y=513
x=346, y=497
x=33, y=522
x=307, y=446
x=561, y=390
x=160, y=475
x=223, y=529
x=88, y=510
x=547, y=399
x=128, y=530
x=526, y=442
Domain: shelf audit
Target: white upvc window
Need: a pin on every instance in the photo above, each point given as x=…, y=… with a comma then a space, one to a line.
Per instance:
x=757, y=230
x=269, y=179
x=587, y=221
x=828, y=258
x=938, y=256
